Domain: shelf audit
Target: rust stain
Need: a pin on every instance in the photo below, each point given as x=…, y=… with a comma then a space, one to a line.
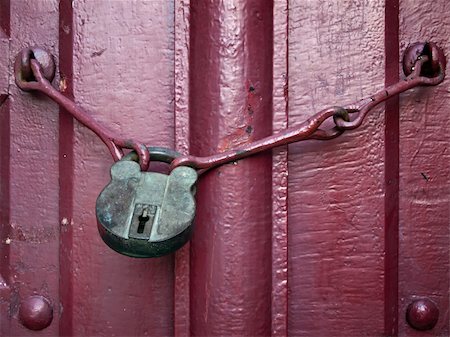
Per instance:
x=62, y=84
x=244, y=131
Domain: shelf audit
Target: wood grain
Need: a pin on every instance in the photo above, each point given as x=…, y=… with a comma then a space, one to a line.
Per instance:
x=336, y=205
x=425, y=174
x=231, y=98
x=328, y=238
x=33, y=158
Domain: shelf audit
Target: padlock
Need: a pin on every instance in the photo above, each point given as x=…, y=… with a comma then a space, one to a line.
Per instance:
x=147, y=214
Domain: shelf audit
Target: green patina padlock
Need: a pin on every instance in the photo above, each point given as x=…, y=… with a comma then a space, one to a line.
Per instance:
x=147, y=214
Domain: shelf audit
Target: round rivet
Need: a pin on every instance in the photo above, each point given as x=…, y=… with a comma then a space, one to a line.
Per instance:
x=35, y=312
x=422, y=314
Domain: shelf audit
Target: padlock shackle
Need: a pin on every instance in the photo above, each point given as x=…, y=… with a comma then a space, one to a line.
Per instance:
x=158, y=154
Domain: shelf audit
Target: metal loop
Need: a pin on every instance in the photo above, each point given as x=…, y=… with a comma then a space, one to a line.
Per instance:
x=341, y=113
x=23, y=67
x=427, y=55
x=42, y=67
x=159, y=154
x=413, y=80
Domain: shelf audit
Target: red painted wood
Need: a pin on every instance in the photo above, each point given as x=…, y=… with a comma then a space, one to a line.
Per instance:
x=319, y=239
x=336, y=205
x=424, y=176
x=123, y=74
x=33, y=180
x=231, y=90
x=391, y=170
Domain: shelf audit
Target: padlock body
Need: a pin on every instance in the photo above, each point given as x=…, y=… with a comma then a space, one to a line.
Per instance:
x=146, y=214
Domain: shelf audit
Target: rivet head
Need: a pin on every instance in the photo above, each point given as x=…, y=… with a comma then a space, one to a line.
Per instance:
x=422, y=314
x=35, y=312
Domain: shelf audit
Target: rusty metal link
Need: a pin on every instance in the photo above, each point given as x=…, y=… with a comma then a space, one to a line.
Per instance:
x=311, y=128
x=424, y=64
x=34, y=69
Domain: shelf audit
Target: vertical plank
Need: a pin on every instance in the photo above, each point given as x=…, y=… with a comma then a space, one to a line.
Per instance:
x=34, y=218
x=336, y=205
x=391, y=171
x=124, y=75
x=425, y=175
x=280, y=172
x=230, y=104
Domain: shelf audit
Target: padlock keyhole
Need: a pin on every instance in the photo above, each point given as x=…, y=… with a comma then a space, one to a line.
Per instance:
x=143, y=219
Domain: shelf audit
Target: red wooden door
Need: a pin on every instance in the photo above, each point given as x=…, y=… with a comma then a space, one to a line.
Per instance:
x=331, y=238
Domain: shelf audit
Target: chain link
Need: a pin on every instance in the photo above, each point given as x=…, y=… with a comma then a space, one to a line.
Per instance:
x=344, y=118
x=115, y=143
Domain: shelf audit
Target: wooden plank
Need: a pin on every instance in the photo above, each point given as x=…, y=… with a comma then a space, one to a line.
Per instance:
x=123, y=75
x=34, y=219
x=336, y=205
x=425, y=175
x=231, y=90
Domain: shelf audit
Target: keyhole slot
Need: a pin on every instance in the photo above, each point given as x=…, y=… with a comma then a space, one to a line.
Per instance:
x=144, y=216
x=143, y=219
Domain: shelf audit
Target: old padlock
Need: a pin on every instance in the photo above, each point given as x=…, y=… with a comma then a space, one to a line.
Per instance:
x=147, y=214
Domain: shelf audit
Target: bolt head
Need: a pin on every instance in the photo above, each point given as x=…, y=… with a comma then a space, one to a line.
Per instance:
x=35, y=312
x=422, y=314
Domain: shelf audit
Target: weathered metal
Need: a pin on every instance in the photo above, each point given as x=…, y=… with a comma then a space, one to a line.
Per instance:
x=22, y=66
x=428, y=69
x=38, y=79
x=311, y=128
x=52, y=243
x=145, y=196
x=147, y=214
x=335, y=242
x=435, y=54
